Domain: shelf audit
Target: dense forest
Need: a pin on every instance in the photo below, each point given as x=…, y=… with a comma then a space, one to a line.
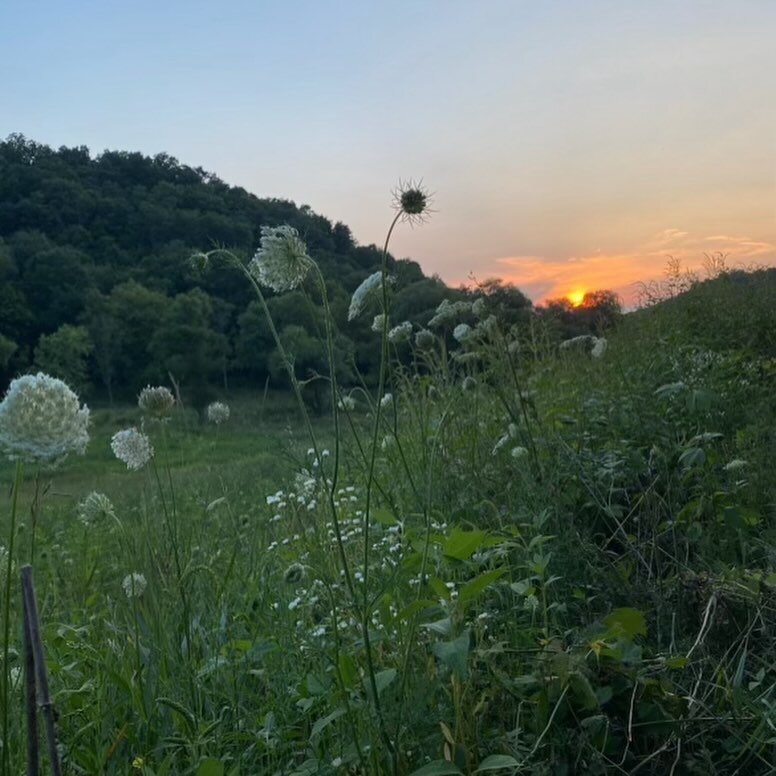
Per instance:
x=96, y=285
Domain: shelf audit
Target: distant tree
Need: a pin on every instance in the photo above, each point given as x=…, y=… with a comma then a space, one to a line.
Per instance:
x=602, y=309
x=64, y=354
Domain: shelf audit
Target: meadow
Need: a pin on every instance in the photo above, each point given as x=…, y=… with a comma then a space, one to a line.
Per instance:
x=510, y=555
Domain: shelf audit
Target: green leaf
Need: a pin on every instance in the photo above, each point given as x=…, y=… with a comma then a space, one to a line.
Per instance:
x=382, y=679
x=348, y=669
x=692, y=456
x=627, y=622
x=454, y=654
x=437, y=768
x=211, y=767
x=496, y=762
x=461, y=545
x=475, y=586
x=324, y=722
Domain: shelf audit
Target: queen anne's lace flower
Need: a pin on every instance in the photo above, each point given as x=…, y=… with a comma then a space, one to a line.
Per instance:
x=132, y=447
x=377, y=323
x=157, y=402
x=41, y=420
x=400, y=333
x=479, y=307
x=424, y=339
x=95, y=508
x=347, y=403
x=448, y=311
x=386, y=401
x=134, y=585
x=218, y=412
x=281, y=263
x=599, y=348
x=462, y=332
x=367, y=291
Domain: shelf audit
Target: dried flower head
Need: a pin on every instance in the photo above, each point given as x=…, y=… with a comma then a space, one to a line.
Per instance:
x=134, y=585
x=425, y=339
x=132, y=447
x=281, y=263
x=412, y=200
x=95, y=508
x=156, y=402
x=218, y=412
x=41, y=420
x=294, y=574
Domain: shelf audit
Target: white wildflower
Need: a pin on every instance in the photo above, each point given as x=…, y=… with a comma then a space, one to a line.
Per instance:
x=347, y=403
x=479, y=307
x=95, y=508
x=132, y=447
x=218, y=412
x=134, y=585
x=368, y=290
x=281, y=263
x=425, y=339
x=41, y=420
x=519, y=452
x=582, y=342
x=735, y=465
x=400, y=333
x=157, y=402
x=448, y=311
x=599, y=348
x=378, y=322
x=462, y=332
x=386, y=401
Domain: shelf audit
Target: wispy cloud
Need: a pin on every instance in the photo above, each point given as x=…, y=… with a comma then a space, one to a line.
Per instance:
x=549, y=277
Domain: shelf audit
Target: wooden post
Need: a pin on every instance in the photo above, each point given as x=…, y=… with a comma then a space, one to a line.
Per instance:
x=33, y=755
x=47, y=707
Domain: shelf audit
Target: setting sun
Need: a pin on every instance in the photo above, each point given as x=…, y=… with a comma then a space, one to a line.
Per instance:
x=576, y=297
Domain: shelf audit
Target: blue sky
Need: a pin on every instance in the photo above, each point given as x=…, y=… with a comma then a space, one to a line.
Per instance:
x=569, y=144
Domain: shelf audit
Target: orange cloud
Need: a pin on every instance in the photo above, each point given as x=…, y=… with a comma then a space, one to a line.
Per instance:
x=546, y=278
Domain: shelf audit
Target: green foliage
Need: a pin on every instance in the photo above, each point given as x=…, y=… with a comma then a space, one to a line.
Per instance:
x=64, y=354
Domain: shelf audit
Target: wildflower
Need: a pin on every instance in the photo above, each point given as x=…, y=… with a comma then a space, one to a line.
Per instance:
x=138, y=763
x=599, y=348
x=347, y=403
x=132, y=447
x=366, y=292
x=469, y=383
x=400, y=333
x=462, y=332
x=378, y=322
x=281, y=263
x=448, y=311
x=519, y=452
x=134, y=585
x=425, y=339
x=386, y=401
x=95, y=508
x=479, y=307
x=41, y=420
x=412, y=200
x=735, y=465
x=582, y=342
x=294, y=573
x=218, y=412
x=156, y=402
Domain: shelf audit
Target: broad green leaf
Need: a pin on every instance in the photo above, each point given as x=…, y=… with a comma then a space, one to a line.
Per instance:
x=437, y=768
x=211, y=767
x=475, y=586
x=461, y=545
x=496, y=762
x=348, y=669
x=627, y=622
x=454, y=654
x=382, y=679
x=324, y=722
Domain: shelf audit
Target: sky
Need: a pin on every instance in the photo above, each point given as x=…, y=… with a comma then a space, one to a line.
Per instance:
x=570, y=145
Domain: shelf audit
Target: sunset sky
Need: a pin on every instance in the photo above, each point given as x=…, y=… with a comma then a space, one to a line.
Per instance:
x=570, y=145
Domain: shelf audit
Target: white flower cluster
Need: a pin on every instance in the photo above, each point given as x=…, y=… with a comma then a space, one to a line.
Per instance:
x=218, y=412
x=366, y=292
x=378, y=323
x=400, y=333
x=41, y=420
x=132, y=447
x=386, y=401
x=134, y=585
x=599, y=348
x=347, y=403
x=425, y=339
x=448, y=311
x=462, y=332
x=281, y=263
x=479, y=307
x=95, y=508
x=157, y=402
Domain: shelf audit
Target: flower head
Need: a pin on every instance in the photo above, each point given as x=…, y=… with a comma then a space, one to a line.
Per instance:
x=462, y=332
x=400, y=333
x=281, y=263
x=218, y=412
x=41, y=420
x=599, y=348
x=156, y=402
x=132, y=447
x=134, y=585
x=412, y=200
x=294, y=574
x=367, y=291
x=95, y=508
x=386, y=401
x=448, y=311
x=425, y=339
x=378, y=322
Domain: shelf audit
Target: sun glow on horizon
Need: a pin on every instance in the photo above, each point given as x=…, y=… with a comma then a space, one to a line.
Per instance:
x=576, y=297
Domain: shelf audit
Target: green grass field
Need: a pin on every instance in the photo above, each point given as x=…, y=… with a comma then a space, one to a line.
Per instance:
x=534, y=563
